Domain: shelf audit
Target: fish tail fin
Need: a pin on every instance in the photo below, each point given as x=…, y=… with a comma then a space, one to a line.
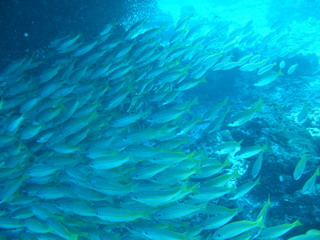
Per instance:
x=225, y=101
x=74, y=237
x=190, y=155
x=146, y=215
x=260, y=221
x=258, y=181
x=265, y=147
x=269, y=200
x=226, y=162
x=297, y=223
x=202, y=80
x=194, y=188
x=280, y=72
x=235, y=174
x=195, y=101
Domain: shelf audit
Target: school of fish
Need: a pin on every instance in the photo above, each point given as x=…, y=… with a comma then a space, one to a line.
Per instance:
x=95, y=137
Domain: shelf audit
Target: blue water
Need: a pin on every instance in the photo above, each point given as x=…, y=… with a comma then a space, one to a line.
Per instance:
x=135, y=119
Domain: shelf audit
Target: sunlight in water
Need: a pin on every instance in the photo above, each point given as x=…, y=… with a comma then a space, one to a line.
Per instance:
x=238, y=12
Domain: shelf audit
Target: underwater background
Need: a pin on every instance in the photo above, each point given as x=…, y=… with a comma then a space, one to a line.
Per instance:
x=160, y=119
